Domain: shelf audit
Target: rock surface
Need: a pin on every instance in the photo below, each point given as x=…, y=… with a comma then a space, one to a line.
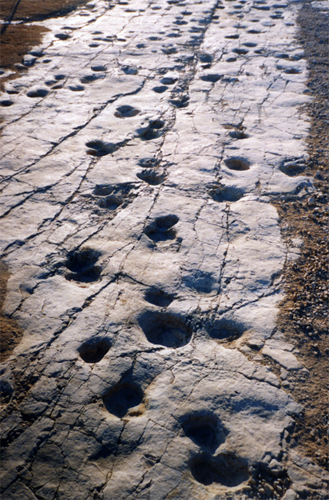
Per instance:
x=140, y=154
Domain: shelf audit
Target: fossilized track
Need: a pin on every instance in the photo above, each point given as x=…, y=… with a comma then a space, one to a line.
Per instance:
x=137, y=174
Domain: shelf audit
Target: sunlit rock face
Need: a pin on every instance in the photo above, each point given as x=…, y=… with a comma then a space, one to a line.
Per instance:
x=140, y=154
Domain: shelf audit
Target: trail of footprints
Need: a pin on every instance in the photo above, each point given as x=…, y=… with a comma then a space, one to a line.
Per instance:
x=160, y=327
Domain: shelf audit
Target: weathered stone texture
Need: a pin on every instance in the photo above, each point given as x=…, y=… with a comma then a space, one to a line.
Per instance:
x=139, y=159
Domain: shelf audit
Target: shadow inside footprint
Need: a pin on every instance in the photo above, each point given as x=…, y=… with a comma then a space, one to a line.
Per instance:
x=76, y=88
x=37, y=93
x=165, y=329
x=130, y=70
x=100, y=148
x=113, y=196
x=204, y=430
x=90, y=78
x=237, y=163
x=168, y=80
x=161, y=229
x=205, y=58
x=226, y=469
x=94, y=350
x=160, y=89
x=213, y=78
x=225, y=330
x=62, y=36
x=152, y=130
x=98, y=68
x=122, y=397
x=158, y=297
x=111, y=202
x=103, y=190
x=126, y=111
x=148, y=162
x=238, y=134
x=226, y=193
x=152, y=177
x=241, y=51
x=6, y=103
x=81, y=265
x=293, y=168
x=202, y=281
x=180, y=101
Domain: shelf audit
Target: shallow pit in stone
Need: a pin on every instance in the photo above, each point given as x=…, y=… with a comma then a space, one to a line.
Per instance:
x=250, y=44
x=237, y=163
x=158, y=297
x=204, y=430
x=76, y=88
x=62, y=36
x=82, y=266
x=293, y=168
x=6, y=103
x=160, y=89
x=241, y=51
x=206, y=58
x=130, y=70
x=100, y=148
x=152, y=177
x=212, y=78
x=111, y=202
x=103, y=190
x=225, y=330
x=126, y=111
x=165, y=329
x=98, y=68
x=94, y=350
x=226, y=193
x=122, y=397
x=90, y=78
x=181, y=101
x=161, y=229
x=238, y=134
x=157, y=124
x=152, y=130
x=148, y=162
x=168, y=80
x=226, y=469
x=37, y=93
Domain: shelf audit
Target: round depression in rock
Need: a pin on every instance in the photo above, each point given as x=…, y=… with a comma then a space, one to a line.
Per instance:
x=121, y=397
x=205, y=430
x=82, y=265
x=165, y=329
x=237, y=163
x=226, y=469
x=94, y=350
x=225, y=330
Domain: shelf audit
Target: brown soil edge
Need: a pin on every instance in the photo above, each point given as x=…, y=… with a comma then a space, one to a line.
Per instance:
x=18, y=39
x=10, y=332
x=304, y=312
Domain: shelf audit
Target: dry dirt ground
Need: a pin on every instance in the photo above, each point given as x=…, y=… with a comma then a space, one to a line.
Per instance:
x=18, y=35
x=304, y=313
